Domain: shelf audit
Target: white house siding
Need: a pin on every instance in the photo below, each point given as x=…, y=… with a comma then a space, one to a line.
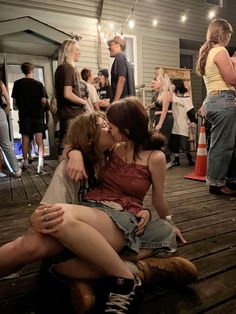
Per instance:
x=155, y=46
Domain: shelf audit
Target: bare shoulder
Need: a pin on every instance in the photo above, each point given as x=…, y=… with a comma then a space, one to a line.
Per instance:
x=157, y=157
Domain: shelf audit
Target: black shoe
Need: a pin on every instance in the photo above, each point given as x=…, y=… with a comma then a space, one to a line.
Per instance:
x=191, y=163
x=121, y=299
x=221, y=190
x=231, y=185
x=176, y=163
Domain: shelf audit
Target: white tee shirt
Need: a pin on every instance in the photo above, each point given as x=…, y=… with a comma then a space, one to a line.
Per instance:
x=92, y=98
x=180, y=107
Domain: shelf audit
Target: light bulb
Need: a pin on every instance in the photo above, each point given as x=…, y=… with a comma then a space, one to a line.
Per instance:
x=111, y=25
x=211, y=14
x=99, y=27
x=155, y=22
x=102, y=35
x=131, y=24
x=183, y=18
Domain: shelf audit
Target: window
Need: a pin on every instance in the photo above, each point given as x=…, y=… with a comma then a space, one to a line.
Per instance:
x=219, y=3
x=186, y=61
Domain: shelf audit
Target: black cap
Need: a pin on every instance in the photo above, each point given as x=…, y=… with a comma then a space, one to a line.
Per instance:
x=104, y=72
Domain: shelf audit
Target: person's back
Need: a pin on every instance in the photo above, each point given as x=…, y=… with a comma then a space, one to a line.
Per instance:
x=30, y=97
x=28, y=94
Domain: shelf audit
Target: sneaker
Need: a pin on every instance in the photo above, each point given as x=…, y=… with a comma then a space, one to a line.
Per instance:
x=176, y=163
x=30, y=159
x=221, y=190
x=17, y=174
x=2, y=175
x=40, y=171
x=82, y=296
x=168, y=165
x=169, y=271
x=121, y=299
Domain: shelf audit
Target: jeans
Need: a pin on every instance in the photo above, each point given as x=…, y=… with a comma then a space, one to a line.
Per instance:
x=6, y=145
x=221, y=113
x=166, y=131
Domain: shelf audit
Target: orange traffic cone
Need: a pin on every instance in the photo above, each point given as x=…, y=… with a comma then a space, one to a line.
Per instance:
x=201, y=160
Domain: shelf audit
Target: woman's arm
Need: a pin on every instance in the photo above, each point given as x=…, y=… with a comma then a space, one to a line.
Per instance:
x=225, y=65
x=157, y=168
x=166, y=100
x=68, y=94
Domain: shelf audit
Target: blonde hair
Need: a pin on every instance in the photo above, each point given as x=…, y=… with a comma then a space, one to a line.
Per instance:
x=218, y=32
x=65, y=51
x=167, y=86
x=83, y=135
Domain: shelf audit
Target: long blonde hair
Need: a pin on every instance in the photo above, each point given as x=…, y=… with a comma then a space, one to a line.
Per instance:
x=65, y=52
x=167, y=86
x=218, y=32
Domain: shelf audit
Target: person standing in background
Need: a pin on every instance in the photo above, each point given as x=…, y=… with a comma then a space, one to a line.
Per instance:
x=104, y=90
x=184, y=118
x=68, y=93
x=219, y=75
x=30, y=97
x=163, y=119
x=122, y=72
x=5, y=143
x=93, y=99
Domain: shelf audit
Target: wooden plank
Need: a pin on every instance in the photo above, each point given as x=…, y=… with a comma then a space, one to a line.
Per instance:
x=208, y=246
x=228, y=307
x=5, y=190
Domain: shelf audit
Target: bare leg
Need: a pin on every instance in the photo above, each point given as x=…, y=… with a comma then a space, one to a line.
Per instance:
x=95, y=239
x=25, y=146
x=25, y=250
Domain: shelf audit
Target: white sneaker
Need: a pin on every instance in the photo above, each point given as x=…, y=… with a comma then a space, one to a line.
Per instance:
x=41, y=171
x=17, y=174
x=2, y=175
x=169, y=165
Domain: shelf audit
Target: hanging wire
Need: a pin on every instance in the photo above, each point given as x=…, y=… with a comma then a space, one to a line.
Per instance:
x=131, y=14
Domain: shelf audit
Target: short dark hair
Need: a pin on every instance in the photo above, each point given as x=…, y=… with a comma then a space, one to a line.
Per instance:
x=85, y=74
x=179, y=86
x=27, y=68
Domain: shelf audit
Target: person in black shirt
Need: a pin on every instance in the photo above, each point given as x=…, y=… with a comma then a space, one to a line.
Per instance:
x=104, y=90
x=29, y=97
x=122, y=72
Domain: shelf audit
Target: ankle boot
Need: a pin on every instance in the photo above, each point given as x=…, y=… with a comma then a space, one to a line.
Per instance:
x=176, y=162
x=168, y=271
x=82, y=296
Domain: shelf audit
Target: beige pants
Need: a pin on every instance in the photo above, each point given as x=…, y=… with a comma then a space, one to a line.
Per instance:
x=61, y=188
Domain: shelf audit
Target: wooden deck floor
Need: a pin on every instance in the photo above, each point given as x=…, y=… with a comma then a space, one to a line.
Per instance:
x=208, y=222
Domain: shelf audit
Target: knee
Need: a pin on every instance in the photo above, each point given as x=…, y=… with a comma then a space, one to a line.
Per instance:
x=30, y=247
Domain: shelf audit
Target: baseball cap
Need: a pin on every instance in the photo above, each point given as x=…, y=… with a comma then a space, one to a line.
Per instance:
x=104, y=72
x=118, y=40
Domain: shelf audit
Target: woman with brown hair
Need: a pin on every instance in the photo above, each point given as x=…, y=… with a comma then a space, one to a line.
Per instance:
x=219, y=75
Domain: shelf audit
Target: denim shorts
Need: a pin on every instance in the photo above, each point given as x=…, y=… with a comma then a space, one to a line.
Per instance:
x=159, y=235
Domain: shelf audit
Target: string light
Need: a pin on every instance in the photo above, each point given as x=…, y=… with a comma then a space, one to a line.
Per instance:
x=131, y=23
x=183, y=18
x=211, y=14
x=155, y=22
